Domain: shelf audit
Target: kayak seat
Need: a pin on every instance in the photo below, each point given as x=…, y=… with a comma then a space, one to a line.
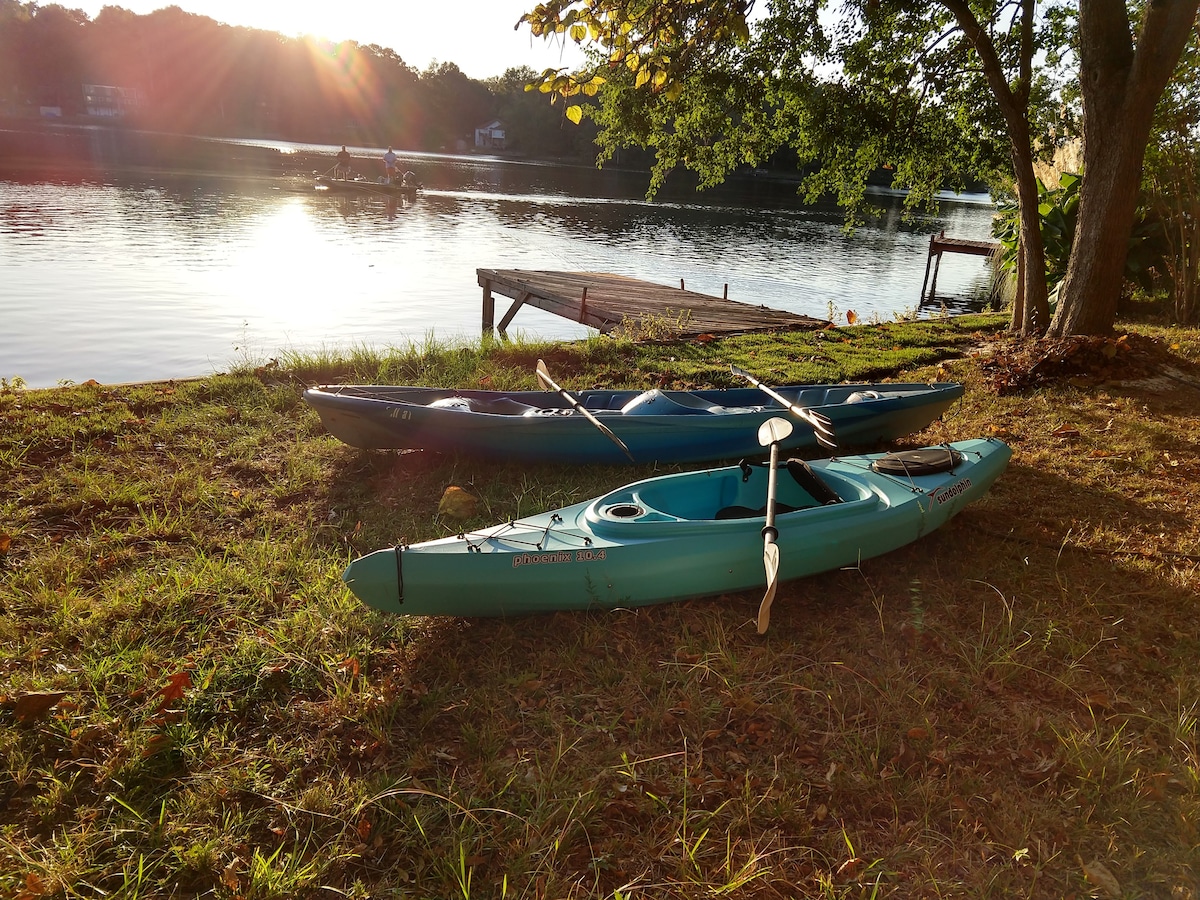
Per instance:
x=678, y=403
x=860, y=396
x=500, y=406
x=745, y=512
x=804, y=475
x=657, y=403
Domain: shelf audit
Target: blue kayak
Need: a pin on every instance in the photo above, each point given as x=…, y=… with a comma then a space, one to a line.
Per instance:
x=656, y=426
x=686, y=534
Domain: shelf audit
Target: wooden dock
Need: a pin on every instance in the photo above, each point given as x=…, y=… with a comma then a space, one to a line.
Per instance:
x=606, y=302
x=939, y=244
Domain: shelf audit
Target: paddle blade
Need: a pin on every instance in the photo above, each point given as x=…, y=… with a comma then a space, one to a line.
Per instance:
x=547, y=383
x=771, y=562
x=821, y=425
x=773, y=430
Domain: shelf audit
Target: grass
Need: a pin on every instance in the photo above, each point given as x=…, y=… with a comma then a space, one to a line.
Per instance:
x=194, y=706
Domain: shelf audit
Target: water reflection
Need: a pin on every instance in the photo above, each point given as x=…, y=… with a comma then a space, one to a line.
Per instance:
x=127, y=279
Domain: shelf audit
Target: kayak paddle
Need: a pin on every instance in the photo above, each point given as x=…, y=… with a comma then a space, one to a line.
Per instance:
x=771, y=432
x=544, y=379
x=822, y=427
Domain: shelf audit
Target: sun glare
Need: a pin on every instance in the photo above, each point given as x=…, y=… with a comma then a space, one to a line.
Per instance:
x=285, y=270
x=337, y=71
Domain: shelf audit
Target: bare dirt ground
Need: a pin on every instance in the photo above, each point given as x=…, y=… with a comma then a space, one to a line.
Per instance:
x=1085, y=361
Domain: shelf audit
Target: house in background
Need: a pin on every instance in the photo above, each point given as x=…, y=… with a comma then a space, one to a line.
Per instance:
x=109, y=101
x=490, y=136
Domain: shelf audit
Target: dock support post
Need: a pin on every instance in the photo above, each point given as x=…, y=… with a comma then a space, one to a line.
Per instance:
x=928, y=260
x=512, y=311
x=489, y=309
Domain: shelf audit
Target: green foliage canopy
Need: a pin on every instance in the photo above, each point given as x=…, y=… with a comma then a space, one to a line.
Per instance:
x=884, y=84
x=940, y=91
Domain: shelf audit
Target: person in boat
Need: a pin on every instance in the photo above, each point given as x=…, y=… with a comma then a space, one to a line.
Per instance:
x=342, y=168
x=389, y=166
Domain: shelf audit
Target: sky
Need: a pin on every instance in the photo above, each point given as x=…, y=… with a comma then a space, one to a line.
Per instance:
x=475, y=35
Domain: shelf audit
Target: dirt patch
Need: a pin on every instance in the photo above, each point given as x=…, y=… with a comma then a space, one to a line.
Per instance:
x=1016, y=365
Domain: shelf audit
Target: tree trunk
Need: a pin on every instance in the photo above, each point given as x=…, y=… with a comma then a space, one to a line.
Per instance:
x=1032, y=316
x=1018, y=313
x=1108, y=201
x=1031, y=312
x=1120, y=85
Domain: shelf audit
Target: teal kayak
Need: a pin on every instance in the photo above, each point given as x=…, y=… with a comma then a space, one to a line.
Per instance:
x=688, y=534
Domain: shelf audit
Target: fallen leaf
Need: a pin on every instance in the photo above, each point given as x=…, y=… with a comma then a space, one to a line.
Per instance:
x=173, y=689
x=364, y=828
x=229, y=876
x=349, y=666
x=166, y=717
x=851, y=316
x=36, y=706
x=5, y=542
x=157, y=744
x=704, y=338
x=1097, y=874
x=34, y=887
x=850, y=867
x=457, y=503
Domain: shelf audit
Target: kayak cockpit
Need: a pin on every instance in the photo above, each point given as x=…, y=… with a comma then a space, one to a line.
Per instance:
x=724, y=494
x=653, y=402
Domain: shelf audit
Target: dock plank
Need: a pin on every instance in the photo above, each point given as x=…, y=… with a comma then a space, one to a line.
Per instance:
x=605, y=301
x=941, y=244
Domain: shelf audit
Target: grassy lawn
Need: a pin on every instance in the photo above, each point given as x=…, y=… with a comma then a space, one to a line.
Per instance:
x=193, y=705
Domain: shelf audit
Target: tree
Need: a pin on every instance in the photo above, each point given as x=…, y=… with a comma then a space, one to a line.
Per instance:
x=1172, y=181
x=454, y=105
x=1121, y=79
x=532, y=125
x=882, y=82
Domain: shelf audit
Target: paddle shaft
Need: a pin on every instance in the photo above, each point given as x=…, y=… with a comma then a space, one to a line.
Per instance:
x=543, y=376
x=770, y=533
x=822, y=427
x=772, y=432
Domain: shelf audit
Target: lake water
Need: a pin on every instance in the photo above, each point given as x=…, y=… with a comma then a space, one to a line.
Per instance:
x=159, y=277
